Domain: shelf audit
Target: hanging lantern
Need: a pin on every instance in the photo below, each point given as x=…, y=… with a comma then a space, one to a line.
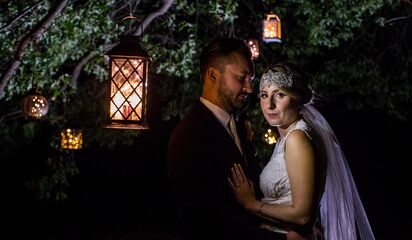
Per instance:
x=272, y=28
x=254, y=47
x=35, y=106
x=71, y=139
x=129, y=76
x=269, y=137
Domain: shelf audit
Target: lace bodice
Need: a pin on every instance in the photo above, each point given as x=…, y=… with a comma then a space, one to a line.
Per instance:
x=274, y=179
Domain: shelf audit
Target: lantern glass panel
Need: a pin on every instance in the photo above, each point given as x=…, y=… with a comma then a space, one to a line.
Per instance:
x=127, y=89
x=272, y=28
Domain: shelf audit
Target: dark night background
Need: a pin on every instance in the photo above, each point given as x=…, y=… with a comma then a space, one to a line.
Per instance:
x=125, y=194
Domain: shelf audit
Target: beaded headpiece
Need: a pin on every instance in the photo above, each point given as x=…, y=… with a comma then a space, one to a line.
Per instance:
x=280, y=79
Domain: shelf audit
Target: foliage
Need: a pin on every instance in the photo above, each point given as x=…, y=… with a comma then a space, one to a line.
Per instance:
x=356, y=52
x=47, y=68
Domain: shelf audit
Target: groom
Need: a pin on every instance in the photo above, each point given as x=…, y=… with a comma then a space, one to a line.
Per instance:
x=207, y=142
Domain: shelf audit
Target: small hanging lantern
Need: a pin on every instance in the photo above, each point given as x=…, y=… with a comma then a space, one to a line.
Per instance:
x=269, y=137
x=35, y=106
x=272, y=28
x=71, y=139
x=254, y=47
x=128, y=73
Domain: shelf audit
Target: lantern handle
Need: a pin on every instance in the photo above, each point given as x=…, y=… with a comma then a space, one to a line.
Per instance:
x=131, y=17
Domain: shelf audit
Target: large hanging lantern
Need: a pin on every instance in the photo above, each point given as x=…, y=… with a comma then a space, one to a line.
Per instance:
x=71, y=139
x=253, y=45
x=272, y=28
x=128, y=73
x=35, y=106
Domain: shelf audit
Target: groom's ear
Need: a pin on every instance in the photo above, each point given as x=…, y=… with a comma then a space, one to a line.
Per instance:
x=213, y=73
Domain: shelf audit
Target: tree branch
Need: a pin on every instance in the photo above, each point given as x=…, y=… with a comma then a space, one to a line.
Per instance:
x=148, y=19
x=33, y=35
x=22, y=14
x=79, y=66
x=397, y=18
x=9, y=115
x=139, y=29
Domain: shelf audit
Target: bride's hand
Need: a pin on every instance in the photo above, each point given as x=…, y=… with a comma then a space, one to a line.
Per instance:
x=241, y=186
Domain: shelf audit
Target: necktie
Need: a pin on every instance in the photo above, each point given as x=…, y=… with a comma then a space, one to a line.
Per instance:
x=233, y=132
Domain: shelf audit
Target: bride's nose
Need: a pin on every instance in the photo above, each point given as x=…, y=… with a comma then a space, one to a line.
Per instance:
x=271, y=104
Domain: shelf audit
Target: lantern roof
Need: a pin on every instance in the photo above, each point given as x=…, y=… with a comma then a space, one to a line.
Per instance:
x=128, y=46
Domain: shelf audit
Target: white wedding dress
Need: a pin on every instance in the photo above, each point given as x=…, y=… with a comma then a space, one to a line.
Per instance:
x=341, y=210
x=274, y=179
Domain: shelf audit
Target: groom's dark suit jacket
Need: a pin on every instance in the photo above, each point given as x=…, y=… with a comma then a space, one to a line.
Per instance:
x=200, y=155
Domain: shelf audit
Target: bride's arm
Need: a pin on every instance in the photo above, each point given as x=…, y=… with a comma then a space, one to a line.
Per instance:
x=300, y=163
